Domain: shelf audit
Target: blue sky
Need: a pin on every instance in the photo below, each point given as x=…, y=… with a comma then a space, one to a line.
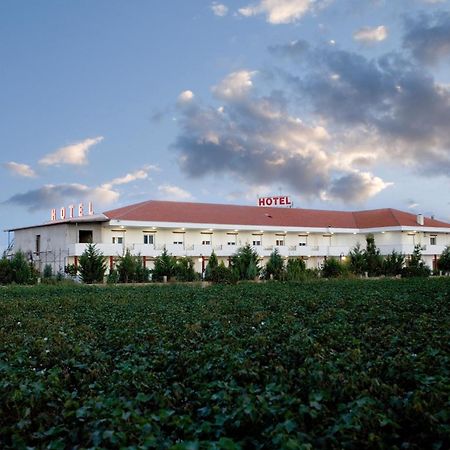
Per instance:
x=341, y=104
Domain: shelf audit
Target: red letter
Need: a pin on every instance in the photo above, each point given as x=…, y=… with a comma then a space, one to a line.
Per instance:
x=91, y=208
x=62, y=213
x=269, y=202
x=53, y=214
x=80, y=210
x=261, y=201
x=70, y=211
x=282, y=200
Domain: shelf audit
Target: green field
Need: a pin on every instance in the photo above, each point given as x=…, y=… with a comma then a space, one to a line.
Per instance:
x=327, y=364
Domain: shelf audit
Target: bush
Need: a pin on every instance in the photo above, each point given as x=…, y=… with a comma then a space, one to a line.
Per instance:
x=245, y=263
x=184, y=270
x=295, y=270
x=126, y=268
x=5, y=271
x=223, y=275
x=22, y=272
x=275, y=267
x=333, y=268
x=373, y=258
x=164, y=266
x=444, y=260
x=416, y=266
x=211, y=266
x=92, y=265
x=71, y=270
x=393, y=264
x=47, y=272
x=113, y=277
x=357, y=260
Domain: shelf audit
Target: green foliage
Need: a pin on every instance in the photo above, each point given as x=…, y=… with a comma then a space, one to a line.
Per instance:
x=275, y=266
x=393, y=264
x=373, y=258
x=126, y=267
x=71, y=270
x=296, y=269
x=333, y=268
x=142, y=273
x=113, y=277
x=444, y=260
x=184, y=270
x=211, y=266
x=164, y=266
x=351, y=364
x=92, y=265
x=415, y=266
x=245, y=263
x=223, y=275
x=357, y=260
x=47, y=272
x=6, y=275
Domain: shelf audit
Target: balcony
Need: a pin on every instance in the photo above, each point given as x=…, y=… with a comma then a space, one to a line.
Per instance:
x=106, y=249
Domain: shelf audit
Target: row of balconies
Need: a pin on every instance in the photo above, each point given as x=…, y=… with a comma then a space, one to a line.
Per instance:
x=195, y=250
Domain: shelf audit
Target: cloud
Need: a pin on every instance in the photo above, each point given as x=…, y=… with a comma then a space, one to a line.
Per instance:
x=171, y=192
x=219, y=9
x=295, y=49
x=368, y=35
x=74, y=154
x=235, y=86
x=279, y=11
x=428, y=37
x=140, y=174
x=23, y=170
x=185, y=97
x=255, y=139
x=51, y=196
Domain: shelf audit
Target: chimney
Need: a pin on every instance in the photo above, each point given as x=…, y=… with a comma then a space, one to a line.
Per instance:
x=420, y=220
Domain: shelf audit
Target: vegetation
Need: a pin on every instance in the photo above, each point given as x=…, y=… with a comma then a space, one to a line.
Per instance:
x=393, y=264
x=130, y=269
x=17, y=270
x=245, y=263
x=164, y=266
x=415, y=266
x=296, y=269
x=444, y=260
x=275, y=267
x=92, y=265
x=184, y=270
x=333, y=268
x=337, y=364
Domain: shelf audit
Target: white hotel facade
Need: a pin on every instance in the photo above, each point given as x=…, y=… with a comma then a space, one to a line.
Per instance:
x=198, y=229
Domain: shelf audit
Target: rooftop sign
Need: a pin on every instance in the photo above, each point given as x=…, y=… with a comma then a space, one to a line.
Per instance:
x=275, y=201
x=69, y=212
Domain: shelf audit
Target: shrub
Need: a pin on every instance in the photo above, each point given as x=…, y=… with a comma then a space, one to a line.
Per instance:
x=47, y=272
x=444, y=260
x=333, y=268
x=142, y=274
x=92, y=266
x=373, y=258
x=126, y=268
x=21, y=270
x=5, y=271
x=393, y=264
x=275, y=266
x=113, y=277
x=245, y=263
x=357, y=260
x=164, y=266
x=295, y=269
x=211, y=266
x=223, y=275
x=416, y=266
x=184, y=269
x=71, y=270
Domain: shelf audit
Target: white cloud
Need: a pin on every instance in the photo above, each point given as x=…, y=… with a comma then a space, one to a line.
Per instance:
x=171, y=192
x=371, y=34
x=279, y=11
x=234, y=86
x=219, y=9
x=140, y=174
x=186, y=96
x=23, y=170
x=74, y=154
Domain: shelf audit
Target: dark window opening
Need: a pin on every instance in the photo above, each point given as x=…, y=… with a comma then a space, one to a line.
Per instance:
x=38, y=244
x=85, y=237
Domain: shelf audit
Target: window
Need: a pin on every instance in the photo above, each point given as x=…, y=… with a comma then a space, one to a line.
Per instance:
x=279, y=242
x=117, y=240
x=206, y=242
x=432, y=240
x=178, y=242
x=149, y=239
x=303, y=241
x=256, y=243
x=85, y=237
x=231, y=243
x=38, y=244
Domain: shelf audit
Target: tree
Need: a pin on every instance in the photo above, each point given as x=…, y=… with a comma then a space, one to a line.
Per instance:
x=416, y=267
x=126, y=268
x=164, y=266
x=374, y=260
x=393, y=264
x=295, y=269
x=357, y=260
x=245, y=263
x=21, y=270
x=275, y=266
x=184, y=269
x=211, y=267
x=5, y=271
x=444, y=260
x=333, y=268
x=92, y=266
x=48, y=272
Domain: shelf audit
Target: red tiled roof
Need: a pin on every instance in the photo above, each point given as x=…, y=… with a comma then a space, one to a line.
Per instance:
x=211, y=213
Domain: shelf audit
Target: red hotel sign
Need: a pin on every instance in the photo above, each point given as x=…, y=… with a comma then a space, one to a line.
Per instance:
x=69, y=213
x=274, y=201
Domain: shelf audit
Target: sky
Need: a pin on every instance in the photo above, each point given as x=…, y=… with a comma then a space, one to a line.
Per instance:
x=340, y=104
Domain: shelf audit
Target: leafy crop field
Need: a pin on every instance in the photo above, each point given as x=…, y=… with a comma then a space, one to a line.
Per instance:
x=337, y=364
